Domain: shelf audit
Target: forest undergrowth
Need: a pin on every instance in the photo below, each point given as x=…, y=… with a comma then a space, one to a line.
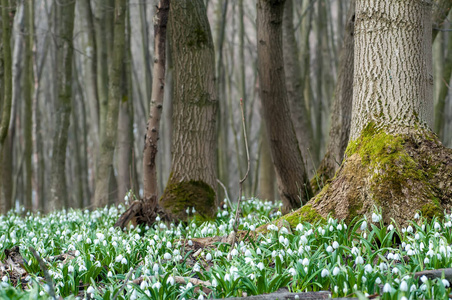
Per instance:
x=87, y=257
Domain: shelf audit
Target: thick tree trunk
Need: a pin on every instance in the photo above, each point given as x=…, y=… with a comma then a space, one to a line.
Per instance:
x=193, y=176
x=342, y=108
x=65, y=25
x=266, y=168
x=293, y=184
x=105, y=170
x=393, y=160
x=299, y=112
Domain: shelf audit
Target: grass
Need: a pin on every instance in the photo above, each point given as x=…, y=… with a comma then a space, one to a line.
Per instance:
x=88, y=258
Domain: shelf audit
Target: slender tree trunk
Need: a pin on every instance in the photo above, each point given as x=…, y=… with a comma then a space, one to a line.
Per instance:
x=298, y=110
x=7, y=20
x=105, y=170
x=193, y=173
x=28, y=103
x=65, y=12
x=293, y=183
x=342, y=108
x=393, y=159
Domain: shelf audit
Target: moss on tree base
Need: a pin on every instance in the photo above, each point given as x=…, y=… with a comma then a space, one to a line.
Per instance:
x=178, y=196
x=401, y=173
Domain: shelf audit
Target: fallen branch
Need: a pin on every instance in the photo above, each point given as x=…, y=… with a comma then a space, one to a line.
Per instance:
x=124, y=284
x=44, y=269
x=287, y=295
x=431, y=274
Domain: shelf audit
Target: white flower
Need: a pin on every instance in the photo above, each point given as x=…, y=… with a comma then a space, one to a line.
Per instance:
x=355, y=251
x=70, y=269
x=329, y=249
x=201, y=297
x=426, y=260
x=260, y=266
x=214, y=282
x=305, y=262
x=234, y=252
x=403, y=286
x=292, y=271
x=109, y=274
x=124, y=261
x=424, y=279
x=5, y=278
x=90, y=290
x=446, y=283
x=167, y=256
x=77, y=253
x=336, y=271
x=390, y=227
x=359, y=260
x=209, y=256
x=196, y=267
x=437, y=226
x=325, y=272
x=403, y=298
x=378, y=280
x=335, y=245
x=227, y=277
x=258, y=251
x=170, y=280
x=118, y=258
x=82, y=267
x=387, y=288
x=339, y=227
x=157, y=285
x=409, y=229
x=413, y=288
x=376, y=218
x=299, y=227
x=363, y=226
x=368, y=268
x=253, y=228
x=416, y=216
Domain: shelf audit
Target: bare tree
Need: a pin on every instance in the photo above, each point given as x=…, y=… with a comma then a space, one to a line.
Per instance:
x=293, y=183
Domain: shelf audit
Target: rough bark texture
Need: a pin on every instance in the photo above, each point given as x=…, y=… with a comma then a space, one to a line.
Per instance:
x=342, y=108
x=158, y=89
x=293, y=185
x=64, y=49
x=393, y=160
x=298, y=111
x=266, y=189
x=193, y=172
x=7, y=20
x=105, y=171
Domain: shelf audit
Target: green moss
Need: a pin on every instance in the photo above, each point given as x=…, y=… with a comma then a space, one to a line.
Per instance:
x=179, y=196
x=354, y=210
x=305, y=214
x=432, y=209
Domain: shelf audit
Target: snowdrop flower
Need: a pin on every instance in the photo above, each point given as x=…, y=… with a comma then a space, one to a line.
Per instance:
x=209, y=256
x=292, y=271
x=363, y=226
x=437, y=226
x=403, y=298
x=77, y=253
x=409, y=229
x=413, y=288
x=426, y=260
x=305, y=262
x=70, y=269
x=82, y=268
x=417, y=236
x=339, y=227
x=391, y=227
x=403, y=286
x=157, y=285
x=253, y=228
x=214, y=282
x=336, y=271
x=109, y=274
x=424, y=279
x=260, y=266
x=335, y=245
x=376, y=218
x=416, y=216
x=201, y=297
x=144, y=284
x=368, y=268
x=325, y=272
x=299, y=227
x=387, y=288
x=124, y=261
x=118, y=258
x=170, y=280
x=167, y=256
x=5, y=278
x=155, y=268
x=248, y=253
x=355, y=251
x=378, y=280
x=234, y=252
x=445, y=283
x=281, y=239
x=196, y=267
x=227, y=277
x=329, y=249
x=258, y=251
x=359, y=260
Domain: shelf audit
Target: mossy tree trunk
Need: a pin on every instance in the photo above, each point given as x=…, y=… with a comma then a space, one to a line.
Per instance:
x=293, y=183
x=65, y=11
x=192, y=182
x=105, y=173
x=393, y=159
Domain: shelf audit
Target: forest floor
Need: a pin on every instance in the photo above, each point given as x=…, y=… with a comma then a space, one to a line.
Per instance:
x=80, y=254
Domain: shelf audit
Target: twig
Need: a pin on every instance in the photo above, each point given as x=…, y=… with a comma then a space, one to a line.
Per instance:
x=47, y=276
x=225, y=192
x=124, y=284
x=235, y=227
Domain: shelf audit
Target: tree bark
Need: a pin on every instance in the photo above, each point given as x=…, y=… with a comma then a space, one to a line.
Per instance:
x=7, y=21
x=65, y=11
x=105, y=170
x=158, y=89
x=342, y=108
x=193, y=172
x=299, y=112
x=293, y=184
x=393, y=159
